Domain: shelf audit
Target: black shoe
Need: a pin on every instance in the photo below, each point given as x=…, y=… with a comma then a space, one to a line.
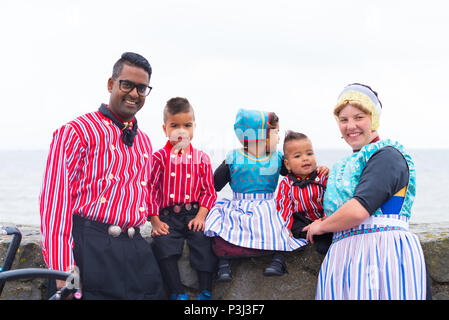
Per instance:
x=276, y=268
x=224, y=273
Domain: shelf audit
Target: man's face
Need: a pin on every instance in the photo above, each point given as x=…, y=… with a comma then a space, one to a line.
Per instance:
x=126, y=105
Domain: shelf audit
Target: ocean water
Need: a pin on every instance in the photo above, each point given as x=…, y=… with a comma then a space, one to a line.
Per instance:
x=21, y=175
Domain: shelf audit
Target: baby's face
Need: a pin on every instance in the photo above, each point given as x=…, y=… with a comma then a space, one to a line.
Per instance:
x=179, y=128
x=299, y=157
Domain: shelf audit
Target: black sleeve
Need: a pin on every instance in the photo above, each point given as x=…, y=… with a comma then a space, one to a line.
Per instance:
x=222, y=176
x=385, y=173
x=284, y=170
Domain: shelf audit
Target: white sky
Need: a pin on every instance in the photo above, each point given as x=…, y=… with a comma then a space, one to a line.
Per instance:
x=290, y=57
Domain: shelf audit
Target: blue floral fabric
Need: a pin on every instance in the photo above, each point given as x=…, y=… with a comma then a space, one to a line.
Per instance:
x=345, y=175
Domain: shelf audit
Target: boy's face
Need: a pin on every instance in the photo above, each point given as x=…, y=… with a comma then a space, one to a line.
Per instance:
x=179, y=128
x=299, y=157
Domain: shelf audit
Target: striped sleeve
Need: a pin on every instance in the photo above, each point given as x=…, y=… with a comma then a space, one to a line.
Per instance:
x=208, y=195
x=156, y=178
x=55, y=202
x=283, y=202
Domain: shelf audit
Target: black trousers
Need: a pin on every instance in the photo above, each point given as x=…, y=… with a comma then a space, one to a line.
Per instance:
x=114, y=267
x=323, y=241
x=202, y=257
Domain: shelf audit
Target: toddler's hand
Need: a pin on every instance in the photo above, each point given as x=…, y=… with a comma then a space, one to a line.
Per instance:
x=160, y=229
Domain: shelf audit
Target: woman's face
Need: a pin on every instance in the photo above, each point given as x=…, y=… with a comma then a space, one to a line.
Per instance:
x=274, y=139
x=355, y=127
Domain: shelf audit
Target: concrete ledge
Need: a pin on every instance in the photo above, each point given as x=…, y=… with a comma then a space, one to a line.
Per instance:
x=248, y=281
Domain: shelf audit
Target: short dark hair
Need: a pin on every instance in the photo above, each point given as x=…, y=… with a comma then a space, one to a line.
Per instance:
x=293, y=135
x=133, y=59
x=274, y=120
x=177, y=105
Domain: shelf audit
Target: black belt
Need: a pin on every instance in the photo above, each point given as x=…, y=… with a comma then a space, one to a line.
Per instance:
x=108, y=229
x=180, y=208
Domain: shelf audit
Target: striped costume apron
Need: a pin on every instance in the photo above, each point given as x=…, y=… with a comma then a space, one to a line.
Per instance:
x=380, y=258
x=250, y=219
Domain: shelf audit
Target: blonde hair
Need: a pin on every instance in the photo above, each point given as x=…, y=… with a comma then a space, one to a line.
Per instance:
x=354, y=103
x=362, y=97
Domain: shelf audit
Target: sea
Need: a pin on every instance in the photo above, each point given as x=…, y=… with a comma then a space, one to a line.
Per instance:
x=21, y=173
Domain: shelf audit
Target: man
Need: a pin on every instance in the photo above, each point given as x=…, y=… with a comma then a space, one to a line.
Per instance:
x=95, y=196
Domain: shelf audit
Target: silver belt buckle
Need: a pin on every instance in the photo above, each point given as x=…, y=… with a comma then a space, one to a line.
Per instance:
x=131, y=232
x=114, y=231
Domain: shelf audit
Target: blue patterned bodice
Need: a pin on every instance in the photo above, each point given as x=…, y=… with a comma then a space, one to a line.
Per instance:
x=251, y=174
x=345, y=175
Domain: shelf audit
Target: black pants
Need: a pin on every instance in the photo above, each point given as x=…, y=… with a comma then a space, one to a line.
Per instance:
x=202, y=257
x=322, y=242
x=114, y=268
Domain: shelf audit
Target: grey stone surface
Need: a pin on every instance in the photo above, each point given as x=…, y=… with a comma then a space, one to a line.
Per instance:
x=248, y=282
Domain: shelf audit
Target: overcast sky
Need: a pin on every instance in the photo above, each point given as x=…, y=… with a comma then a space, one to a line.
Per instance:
x=290, y=57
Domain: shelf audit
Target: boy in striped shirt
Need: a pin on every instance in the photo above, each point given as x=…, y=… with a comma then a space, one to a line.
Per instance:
x=183, y=192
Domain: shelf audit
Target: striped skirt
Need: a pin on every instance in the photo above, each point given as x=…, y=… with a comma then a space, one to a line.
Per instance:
x=251, y=221
x=378, y=260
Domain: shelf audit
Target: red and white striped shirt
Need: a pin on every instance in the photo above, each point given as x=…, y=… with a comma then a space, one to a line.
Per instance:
x=92, y=173
x=308, y=200
x=181, y=178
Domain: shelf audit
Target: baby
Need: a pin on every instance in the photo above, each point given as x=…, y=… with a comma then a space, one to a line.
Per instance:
x=300, y=194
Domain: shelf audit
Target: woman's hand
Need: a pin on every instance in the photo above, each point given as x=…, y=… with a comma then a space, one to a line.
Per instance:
x=313, y=229
x=349, y=215
x=323, y=170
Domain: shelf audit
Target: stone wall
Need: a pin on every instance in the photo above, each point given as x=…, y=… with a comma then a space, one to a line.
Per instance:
x=248, y=281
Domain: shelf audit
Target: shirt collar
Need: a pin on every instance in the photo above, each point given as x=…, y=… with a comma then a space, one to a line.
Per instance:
x=121, y=120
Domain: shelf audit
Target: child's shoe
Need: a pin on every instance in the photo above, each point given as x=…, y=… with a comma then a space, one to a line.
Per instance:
x=204, y=295
x=276, y=268
x=224, y=273
x=179, y=296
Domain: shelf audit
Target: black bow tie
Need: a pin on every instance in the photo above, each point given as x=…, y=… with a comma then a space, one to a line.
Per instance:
x=304, y=183
x=129, y=130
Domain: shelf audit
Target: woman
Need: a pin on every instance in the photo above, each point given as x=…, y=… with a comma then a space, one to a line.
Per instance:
x=367, y=206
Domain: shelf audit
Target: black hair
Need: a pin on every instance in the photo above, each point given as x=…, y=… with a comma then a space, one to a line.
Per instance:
x=177, y=105
x=131, y=58
x=293, y=135
x=274, y=120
